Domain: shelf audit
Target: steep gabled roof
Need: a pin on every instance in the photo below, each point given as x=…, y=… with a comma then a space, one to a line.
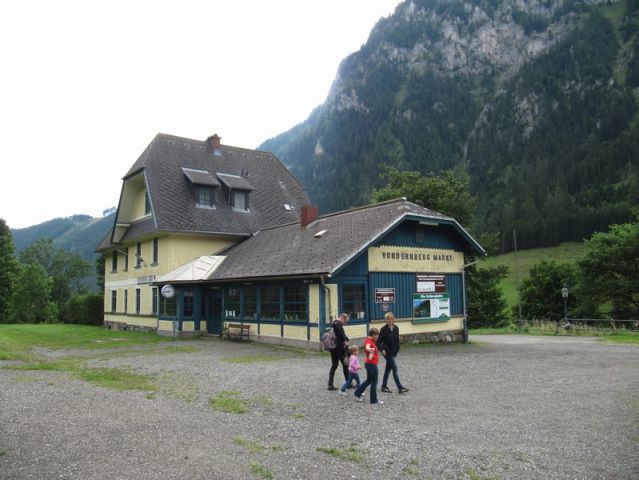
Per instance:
x=327, y=244
x=172, y=165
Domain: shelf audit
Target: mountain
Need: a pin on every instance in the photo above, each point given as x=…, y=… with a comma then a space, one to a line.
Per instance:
x=78, y=234
x=534, y=102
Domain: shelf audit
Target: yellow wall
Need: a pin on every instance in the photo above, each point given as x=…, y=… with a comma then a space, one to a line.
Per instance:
x=173, y=251
x=139, y=202
x=314, y=303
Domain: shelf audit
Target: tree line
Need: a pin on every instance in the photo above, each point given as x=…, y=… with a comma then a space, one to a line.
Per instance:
x=603, y=284
x=45, y=284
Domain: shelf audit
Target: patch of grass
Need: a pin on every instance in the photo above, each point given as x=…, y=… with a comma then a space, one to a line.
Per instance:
x=116, y=379
x=58, y=336
x=261, y=471
x=151, y=351
x=473, y=475
x=493, y=331
x=261, y=400
x=298, y=415
x=250, y=445
x=61, y=365
x=569, y=252
x=256, y=358
x=229, y=402
x=3, y=452
x=351, y=453
x=180, y=386
x=627, y=339
x=411, y=471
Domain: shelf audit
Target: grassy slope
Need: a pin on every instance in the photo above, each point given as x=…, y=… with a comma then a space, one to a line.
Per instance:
x=565, y=253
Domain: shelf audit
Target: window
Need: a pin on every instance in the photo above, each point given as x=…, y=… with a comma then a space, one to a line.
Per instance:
x=270, y=303
x=155, y=251
x=232, y=302
x=126, y=259
x=169, y=306
x=354, y=301
x=114, y=301
x=126, y=299
x=239, y=200
x=204, y=196
x=295, y=304
x=420, y=234
x=147, y=204
x=138, y=255
x=137, y=301
x=114, y=261
x=154, y=300
x=188, y=303
x=250, y=303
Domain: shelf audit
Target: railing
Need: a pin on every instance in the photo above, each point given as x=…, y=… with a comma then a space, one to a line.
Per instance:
x=582, y=326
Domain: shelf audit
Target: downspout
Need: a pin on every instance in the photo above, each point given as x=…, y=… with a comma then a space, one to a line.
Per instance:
x=328, y=291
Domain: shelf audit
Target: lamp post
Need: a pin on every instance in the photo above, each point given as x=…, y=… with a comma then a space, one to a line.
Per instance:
x=564, y=293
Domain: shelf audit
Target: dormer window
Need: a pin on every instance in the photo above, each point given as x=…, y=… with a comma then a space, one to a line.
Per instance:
x=204, y=196
x=147, y=204
x=239, y=200
x=239, y=189
x=204, y=185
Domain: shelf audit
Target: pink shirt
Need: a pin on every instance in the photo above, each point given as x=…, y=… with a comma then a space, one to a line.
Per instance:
x=353, y=364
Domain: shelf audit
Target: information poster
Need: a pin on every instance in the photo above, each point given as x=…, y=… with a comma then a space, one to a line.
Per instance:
x=431, y=307
x=384, y=295
x=431, y=283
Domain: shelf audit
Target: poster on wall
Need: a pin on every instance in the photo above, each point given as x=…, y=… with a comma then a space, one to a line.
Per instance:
x=431, y=307
x=384, y=295
x=431, y=283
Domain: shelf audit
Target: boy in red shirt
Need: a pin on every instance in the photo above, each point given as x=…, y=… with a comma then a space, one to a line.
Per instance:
x=371, y=354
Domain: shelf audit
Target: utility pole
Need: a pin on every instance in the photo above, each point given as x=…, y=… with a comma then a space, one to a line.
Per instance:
x=517, y=273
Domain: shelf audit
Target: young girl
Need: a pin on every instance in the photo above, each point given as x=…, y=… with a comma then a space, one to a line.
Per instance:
x=372, y=359
x=353, y=369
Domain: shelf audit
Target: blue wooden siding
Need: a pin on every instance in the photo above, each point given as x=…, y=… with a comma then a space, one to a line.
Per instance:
x=405, y=284
x=405, y=235
x=357, y=267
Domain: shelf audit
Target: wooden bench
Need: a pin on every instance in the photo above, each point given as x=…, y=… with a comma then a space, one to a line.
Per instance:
x=237, y=330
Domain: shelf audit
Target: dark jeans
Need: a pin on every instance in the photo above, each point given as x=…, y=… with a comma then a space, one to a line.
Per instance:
x=371, y=379
x=351, y=377
x=391, y=365
x=336, y=357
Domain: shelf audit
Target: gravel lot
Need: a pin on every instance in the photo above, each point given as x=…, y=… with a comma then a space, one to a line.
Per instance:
x=503, y=407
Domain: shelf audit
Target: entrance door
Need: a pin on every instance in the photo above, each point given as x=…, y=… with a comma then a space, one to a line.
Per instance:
x=214, y=325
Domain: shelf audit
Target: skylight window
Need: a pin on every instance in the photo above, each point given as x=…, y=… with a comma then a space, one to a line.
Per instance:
x=320, y=233
x=288, y=207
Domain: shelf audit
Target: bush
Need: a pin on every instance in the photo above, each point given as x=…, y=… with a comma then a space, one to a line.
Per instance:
x=87, y=309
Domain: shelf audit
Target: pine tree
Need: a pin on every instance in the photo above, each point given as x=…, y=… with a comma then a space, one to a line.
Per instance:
x=8, y=269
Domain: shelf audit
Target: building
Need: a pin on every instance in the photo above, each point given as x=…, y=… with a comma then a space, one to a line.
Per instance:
x=234, y=235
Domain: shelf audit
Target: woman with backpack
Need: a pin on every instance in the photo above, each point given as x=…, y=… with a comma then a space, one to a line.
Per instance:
x=338, y=354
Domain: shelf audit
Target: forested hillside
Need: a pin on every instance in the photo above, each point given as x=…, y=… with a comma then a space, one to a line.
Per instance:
x=535, y=103
x=78, y=234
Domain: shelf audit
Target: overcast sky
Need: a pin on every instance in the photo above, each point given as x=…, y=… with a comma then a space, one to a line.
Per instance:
x=86, y=85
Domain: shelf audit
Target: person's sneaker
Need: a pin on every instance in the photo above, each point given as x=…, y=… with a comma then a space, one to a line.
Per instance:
x=359, y=399
x=403, y=390
x=342, y=393
x=331, y=387
x=378, y=402
x=386, y=390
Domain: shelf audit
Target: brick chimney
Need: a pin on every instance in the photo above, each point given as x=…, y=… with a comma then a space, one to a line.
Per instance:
x=309, y=214
x=215, y=143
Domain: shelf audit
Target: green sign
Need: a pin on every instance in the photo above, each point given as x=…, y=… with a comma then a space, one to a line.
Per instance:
x=431, y=307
